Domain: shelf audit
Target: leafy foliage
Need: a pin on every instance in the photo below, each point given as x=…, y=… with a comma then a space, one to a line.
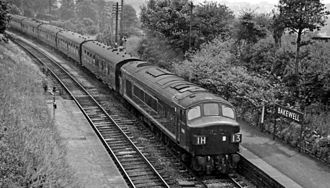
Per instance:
x=158, y=50
x=31, y=8
x=172, y=20
x=85, y=26
x=66, y=11
x=315, y=74
x=214, y=67
x=249, y=30
x=299, y=16
x=130, y=20
x=87, y=9
x=4, y=17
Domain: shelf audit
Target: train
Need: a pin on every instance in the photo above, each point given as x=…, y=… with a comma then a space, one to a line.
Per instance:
x=201, y=125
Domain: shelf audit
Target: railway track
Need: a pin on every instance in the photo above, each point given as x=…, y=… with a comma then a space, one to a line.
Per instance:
x=134, y=166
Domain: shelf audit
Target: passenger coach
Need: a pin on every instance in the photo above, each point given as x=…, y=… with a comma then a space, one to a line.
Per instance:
x=69, y=43
x=48, y=34
x=105, y=62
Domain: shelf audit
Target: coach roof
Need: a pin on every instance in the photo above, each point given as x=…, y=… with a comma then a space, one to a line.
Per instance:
x=72, y=36
x=113, y=54
x=31, y=22
x=50, y=28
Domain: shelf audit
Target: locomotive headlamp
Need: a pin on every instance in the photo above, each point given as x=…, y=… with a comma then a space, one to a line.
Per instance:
x=224, y=138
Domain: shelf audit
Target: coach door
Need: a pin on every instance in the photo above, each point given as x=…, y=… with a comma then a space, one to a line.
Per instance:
x=121, y=85
x=178, y=124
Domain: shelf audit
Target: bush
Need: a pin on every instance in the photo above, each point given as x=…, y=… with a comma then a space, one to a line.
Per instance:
x=157, y=49
x=31, y=154
x=214, y=68
x=91, y=30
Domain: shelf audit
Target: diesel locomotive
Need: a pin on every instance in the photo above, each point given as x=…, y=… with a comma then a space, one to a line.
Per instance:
x=200, y=124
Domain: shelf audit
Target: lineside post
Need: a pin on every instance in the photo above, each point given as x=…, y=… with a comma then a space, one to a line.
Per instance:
x=262, y=120
x=274, y=126
x=54, y=103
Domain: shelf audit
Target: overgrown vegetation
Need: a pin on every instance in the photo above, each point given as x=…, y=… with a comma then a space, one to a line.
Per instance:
x=4, y=19
x=31, y=154
x=254, y=62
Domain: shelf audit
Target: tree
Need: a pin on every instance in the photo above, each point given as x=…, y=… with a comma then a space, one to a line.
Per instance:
x=211, y=20
x=277, y=29
x=87, y=9
x=172, y=20
x=213, y=67
x=66, y=10
x=4, y=18
x=249, y=30
x=169, y=18
x=34, y=7
x=315, y=71
x=299, y=16
x=130, y=19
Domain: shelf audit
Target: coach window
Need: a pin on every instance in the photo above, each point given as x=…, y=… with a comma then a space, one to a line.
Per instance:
x=194, y=113
x=105, y=67
x=102, y=65
x=139, y=93
x=109, y=69
x=150, y=101
x=94, y=61
x=211, y=109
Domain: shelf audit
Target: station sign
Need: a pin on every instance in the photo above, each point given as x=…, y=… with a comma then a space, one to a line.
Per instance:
x=289, y=114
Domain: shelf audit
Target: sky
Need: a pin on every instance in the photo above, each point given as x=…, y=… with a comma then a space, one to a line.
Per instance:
x=251, y=1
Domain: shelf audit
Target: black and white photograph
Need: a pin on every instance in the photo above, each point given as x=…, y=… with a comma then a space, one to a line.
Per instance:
x=164, y=93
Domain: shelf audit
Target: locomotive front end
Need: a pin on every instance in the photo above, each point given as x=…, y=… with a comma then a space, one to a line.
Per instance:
x=214, y=137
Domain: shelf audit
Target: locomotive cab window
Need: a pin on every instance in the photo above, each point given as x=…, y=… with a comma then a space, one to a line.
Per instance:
x=194, y=113
x=227, y=111
x=211, y=109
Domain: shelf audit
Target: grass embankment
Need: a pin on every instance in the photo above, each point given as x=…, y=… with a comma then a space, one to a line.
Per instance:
x=31, y=153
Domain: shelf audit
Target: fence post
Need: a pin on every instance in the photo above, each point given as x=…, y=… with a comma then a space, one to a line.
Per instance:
x=262, y=120
x=274, y=126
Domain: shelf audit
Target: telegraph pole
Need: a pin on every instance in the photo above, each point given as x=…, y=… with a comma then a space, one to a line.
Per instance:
x=191, y=11
x=121, y=21
x=115, y=9
x=49, y=6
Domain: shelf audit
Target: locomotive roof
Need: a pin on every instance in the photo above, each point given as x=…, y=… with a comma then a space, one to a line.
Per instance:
x=114, y=55
x=72, y=36
x=50, y=28
x=169, y=85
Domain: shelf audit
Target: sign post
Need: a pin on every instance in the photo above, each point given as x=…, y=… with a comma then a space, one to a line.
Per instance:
x=262, y=120
x=274, y=126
